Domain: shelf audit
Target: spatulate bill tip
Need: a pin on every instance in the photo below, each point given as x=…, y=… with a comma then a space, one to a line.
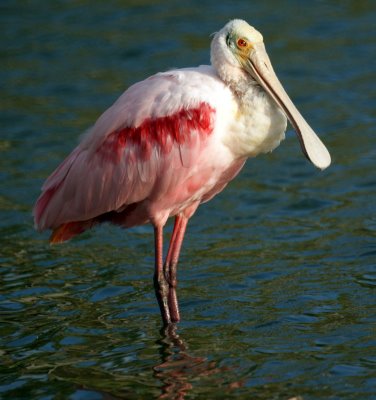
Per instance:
x=320, y=158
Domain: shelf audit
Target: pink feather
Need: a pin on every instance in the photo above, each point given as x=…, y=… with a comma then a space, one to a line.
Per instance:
x=144, y=160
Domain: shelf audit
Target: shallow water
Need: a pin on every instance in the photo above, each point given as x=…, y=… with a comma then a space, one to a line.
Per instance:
x=277, y=276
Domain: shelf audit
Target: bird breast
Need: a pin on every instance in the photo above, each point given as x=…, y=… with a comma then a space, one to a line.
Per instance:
x=259, y=125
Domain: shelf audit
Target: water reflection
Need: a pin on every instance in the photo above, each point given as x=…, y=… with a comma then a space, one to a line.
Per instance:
x=179, y=369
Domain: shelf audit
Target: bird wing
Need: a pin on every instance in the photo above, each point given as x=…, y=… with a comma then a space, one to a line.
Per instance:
x=141, y=146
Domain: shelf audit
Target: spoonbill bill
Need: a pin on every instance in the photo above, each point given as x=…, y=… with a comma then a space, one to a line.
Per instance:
x=172, y=142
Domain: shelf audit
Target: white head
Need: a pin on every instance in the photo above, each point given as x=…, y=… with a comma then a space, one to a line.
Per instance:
x=232, y=43
x=238, y=54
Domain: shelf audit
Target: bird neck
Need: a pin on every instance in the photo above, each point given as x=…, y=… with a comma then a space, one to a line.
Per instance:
x=237, y=79
x=260, y=124
x=240, y=82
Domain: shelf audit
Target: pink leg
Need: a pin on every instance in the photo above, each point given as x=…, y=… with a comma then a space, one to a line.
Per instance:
x=160, y=283
x=171, y=265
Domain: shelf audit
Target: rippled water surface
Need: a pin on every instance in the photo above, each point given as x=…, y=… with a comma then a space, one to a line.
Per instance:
x=277, y=276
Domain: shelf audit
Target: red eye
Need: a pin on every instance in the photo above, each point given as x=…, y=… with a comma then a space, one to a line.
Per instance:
x=242, y=43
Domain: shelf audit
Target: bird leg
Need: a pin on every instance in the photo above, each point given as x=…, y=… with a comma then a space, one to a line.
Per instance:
x=170, y=265
x=161, y=285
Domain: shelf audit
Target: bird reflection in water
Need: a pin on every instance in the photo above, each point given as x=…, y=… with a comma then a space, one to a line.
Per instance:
x=178, y=369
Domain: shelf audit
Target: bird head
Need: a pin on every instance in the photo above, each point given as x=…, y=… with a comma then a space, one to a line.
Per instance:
x=238, y=54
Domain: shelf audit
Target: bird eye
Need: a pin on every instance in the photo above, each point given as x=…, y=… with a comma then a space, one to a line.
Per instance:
x=242, y=43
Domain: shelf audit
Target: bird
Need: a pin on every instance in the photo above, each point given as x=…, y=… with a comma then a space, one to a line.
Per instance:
x=170, y=143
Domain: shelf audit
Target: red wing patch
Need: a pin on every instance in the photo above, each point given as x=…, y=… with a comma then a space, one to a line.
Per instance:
x=162, y=132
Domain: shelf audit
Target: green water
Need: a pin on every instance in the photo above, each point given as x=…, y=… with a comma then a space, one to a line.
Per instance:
x=277, y=276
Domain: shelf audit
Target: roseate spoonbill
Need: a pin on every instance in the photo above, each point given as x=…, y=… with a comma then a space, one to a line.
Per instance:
x=172, y=142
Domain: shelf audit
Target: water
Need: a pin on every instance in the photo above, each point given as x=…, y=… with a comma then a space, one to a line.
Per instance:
x=277, y=276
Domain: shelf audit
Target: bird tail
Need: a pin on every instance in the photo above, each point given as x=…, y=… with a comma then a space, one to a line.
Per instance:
x=68, y=230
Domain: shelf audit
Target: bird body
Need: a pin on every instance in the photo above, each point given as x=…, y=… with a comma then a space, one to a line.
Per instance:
x=172, y=142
